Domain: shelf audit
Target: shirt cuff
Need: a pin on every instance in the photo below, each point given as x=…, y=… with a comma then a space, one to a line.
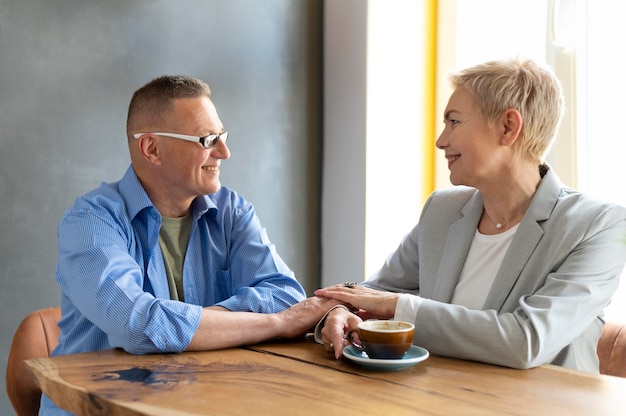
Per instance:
x=406, y=308
x=320, y=324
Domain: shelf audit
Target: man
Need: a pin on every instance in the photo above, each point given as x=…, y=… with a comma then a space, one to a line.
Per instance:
x=167, y=260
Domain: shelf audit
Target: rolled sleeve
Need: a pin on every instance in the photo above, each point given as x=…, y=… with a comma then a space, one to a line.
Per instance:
x=171, y=328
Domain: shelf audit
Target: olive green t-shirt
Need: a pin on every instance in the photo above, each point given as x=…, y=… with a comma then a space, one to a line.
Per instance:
x=173, y=239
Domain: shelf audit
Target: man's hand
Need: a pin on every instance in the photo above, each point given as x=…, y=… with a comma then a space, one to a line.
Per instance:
x=303, y=316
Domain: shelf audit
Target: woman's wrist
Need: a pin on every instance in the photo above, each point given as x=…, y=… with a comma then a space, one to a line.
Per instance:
x=320, y=324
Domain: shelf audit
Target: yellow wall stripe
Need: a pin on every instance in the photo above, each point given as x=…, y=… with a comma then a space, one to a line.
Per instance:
x=430, y=89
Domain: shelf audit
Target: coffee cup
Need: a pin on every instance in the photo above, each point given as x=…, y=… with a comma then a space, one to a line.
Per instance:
x=380, y=339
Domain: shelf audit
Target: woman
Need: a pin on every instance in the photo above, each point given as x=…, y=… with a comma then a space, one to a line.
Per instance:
x=510, y=267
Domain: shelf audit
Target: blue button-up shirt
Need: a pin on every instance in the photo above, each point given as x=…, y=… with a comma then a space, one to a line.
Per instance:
x=114, y=287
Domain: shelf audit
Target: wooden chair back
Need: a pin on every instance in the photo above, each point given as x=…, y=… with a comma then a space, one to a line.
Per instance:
x=612, y=349
x=36, y=337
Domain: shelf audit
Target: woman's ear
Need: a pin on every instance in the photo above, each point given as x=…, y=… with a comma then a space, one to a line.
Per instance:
x=512, y=123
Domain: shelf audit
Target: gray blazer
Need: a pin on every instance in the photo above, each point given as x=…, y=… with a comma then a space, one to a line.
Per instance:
x=547, y=301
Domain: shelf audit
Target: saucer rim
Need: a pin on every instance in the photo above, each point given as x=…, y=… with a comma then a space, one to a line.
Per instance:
x=350, y=352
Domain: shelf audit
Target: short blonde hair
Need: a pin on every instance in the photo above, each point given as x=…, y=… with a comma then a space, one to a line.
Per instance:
x=523, y=85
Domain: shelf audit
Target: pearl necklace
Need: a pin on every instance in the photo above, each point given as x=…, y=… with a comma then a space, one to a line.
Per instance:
x=500, y=225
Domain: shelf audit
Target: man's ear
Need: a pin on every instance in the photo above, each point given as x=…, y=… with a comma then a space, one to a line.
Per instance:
x=512, y=126
x=149, y=148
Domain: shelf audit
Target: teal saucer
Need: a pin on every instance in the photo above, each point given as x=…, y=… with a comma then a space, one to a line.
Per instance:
x=413, y=356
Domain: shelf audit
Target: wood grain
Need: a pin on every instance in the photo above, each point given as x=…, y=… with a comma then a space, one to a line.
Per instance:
x=287, y=378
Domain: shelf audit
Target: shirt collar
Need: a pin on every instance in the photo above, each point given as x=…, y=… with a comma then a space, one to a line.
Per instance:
x=137, y=199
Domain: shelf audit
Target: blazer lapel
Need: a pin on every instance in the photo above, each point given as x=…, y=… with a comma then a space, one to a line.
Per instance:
x=517, y=256
x=527, y=237
x=458, y=242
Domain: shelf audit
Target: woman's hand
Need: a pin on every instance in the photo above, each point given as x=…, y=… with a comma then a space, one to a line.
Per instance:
x=371, y=303
x=337, y=324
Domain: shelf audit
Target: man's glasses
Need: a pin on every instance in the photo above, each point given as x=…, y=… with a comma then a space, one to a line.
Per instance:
x=207, y=142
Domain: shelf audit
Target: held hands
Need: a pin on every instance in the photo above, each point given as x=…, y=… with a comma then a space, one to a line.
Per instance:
x=372, y=304
x=302, y=317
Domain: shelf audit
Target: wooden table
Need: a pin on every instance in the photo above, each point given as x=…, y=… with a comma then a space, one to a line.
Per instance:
x=301, y=378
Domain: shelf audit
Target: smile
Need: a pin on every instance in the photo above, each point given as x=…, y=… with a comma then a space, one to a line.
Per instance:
x=452, y=159
x=213, y=168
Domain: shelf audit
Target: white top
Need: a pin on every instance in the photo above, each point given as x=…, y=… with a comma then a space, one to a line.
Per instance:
x=479, y=272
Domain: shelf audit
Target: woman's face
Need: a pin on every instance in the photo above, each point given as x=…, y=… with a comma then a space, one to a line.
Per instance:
x=471, y=144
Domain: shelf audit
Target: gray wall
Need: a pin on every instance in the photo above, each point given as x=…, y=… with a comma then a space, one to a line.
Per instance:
x=67, y=71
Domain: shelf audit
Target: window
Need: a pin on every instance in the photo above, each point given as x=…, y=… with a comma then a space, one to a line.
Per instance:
x=373, y=131
x=602, y=144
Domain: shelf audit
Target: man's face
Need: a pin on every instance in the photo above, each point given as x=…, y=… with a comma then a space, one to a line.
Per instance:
x=187, y=168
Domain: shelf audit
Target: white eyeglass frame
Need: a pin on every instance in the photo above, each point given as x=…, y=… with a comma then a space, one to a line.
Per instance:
x=208, y=142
